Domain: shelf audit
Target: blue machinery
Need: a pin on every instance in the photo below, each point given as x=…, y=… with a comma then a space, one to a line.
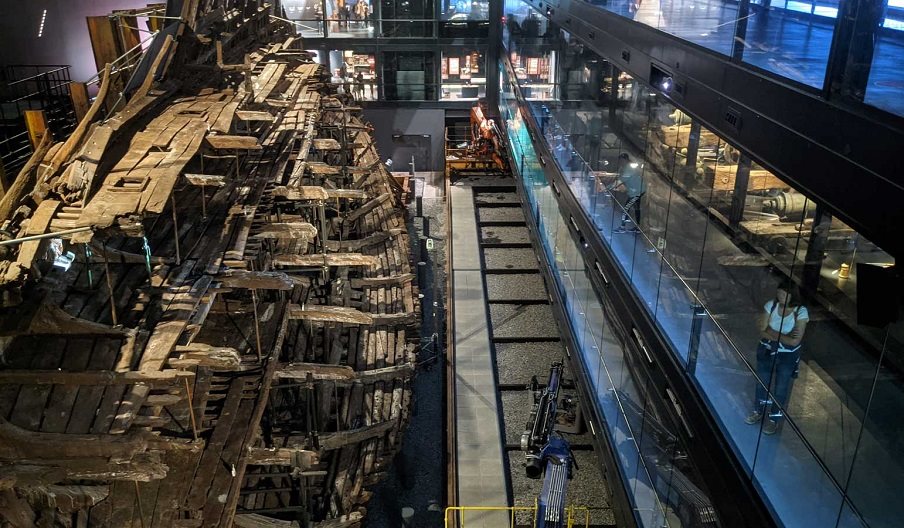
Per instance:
x=545, y=448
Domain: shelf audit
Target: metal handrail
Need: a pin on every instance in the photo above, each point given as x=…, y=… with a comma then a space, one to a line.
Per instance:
x=572, y=520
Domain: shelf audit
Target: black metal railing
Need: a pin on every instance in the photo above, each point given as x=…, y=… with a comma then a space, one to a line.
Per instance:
x=32, y=87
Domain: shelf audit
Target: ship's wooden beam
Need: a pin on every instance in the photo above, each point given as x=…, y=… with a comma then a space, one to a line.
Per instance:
x=341, y=374
x=227, y=142
x=314, y=192
x=161, y=378
x=401, y=318
x=330, y=314
x=259, y=280
x=358, y=244
x=330, y=259
x=298, y=230
x=382, y=282
x=354, y=436
x=21, y=444
x=284, y=456
x=204, y=355
x=251, y=115
x=206, y=180
x=93, y=468
x=368, y=207
x=67, y=499
x=327, y=144
x=50, y=319
x=322, y=169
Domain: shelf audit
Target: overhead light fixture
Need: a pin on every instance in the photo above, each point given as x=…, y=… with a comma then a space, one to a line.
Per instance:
x=666, y=85
x=41, y=27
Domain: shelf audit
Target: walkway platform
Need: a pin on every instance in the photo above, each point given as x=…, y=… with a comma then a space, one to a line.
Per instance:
x=479, y=447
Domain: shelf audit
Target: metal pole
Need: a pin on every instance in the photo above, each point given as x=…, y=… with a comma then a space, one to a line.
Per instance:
x=140, y=508
x=696, y=330
x=57, y=234
x=110, y=287
x=257, y=325
x=176, y=231
x=203, y=202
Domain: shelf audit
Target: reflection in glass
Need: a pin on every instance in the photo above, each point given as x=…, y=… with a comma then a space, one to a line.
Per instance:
x=354, y=72
x=718, y=233
x=307, y=15
x=464, y=10
x=350, y=18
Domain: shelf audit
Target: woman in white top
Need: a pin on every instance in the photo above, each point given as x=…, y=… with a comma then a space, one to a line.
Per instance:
x=778, y=355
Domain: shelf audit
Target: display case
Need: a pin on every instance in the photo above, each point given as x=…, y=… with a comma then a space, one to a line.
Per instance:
x=463, y=75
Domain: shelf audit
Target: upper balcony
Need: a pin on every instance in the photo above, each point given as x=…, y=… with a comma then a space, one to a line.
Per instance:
x=807, y=95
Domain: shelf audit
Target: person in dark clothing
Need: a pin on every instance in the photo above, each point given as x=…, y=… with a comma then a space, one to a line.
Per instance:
x=359, y=86
x=344, y=15
x=630, y=177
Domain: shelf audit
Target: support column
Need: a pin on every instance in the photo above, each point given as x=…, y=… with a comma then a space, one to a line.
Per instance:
x=36, y=124
x=819, y=237
x=78, y=93
x=853, y=46
x=739, y=198
x=693, y=144
x=492, y=54
x=737, y=52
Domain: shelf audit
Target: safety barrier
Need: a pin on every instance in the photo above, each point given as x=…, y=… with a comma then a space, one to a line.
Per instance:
x=455, y=516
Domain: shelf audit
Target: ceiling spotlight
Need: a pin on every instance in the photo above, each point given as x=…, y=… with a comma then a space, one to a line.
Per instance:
x=666, y=85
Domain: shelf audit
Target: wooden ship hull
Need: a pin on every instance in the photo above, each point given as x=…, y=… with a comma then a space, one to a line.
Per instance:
x=208, y=316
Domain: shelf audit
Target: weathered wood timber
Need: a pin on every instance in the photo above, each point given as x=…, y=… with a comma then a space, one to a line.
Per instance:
x=216, y=326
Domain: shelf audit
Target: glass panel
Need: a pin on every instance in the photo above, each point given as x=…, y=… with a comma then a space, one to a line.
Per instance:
x=405, y=76
x=782, y=38
x=878, y=472
x=464, y=10
x=718, y=234
x=628, y=420
x=849, y=518
x=886, y=77
x=354, y=72
x=412, y=18
x=785, y=467
x=350, y=18
x=463, y=75
x=307, y=15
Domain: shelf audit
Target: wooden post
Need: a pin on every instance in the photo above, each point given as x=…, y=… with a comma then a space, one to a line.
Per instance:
x=257, y=325
x=191, y=409
x=36, y=124
x=203, y=193
x=78, y=93
x=105, y=45
x=176, y=230
x=110, y=287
